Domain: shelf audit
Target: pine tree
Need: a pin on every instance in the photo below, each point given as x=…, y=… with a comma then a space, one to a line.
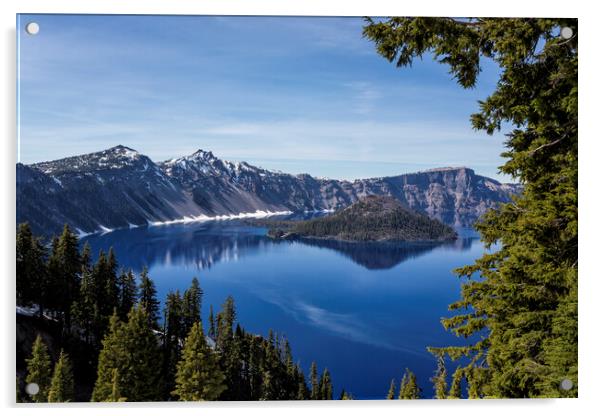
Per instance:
x=111, y=358
x=102, y=291
x=174, y=335
x=440, y=379
x=116, y=391
x=112, y=295
x=61, y=386
x=391, y=393
x=65, y=267
x=39, y=370
x=526, y=294
x=408, y=388
x=54, y=296
x=133, y=350
x=148, y=299
x=212, y=330
x=198, y=374
x=455, y=390
x=345, y=395
x=141, y=377
x=84, y=309
x=325, y=386
x=225, y=324
x=192, y=305
x=86, y=257
x=313, y=374
x=128, y=293
x=32, y=274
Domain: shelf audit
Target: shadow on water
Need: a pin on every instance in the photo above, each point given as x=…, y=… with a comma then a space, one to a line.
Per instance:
x=385, y=255
x=205, y=244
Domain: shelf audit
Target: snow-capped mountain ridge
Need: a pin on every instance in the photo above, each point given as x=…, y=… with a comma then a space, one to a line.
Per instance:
x=120, y=187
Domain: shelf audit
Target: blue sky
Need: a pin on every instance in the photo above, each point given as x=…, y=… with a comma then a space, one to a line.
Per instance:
x=287, y=93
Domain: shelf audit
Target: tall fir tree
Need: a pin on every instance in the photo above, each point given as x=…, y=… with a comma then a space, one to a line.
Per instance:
x=192, y=304
x=84, y=310
x=71, y=267
x=86, y=257
x=439, y=379
x=128, y=293
x=133, y=350
x=173, y=337
x=111, y=358
x=198, y=374
x=408, y=388
x=62, y=387
x=32, y=273
x=313, y=375
x=391, y=393
x=325, y=386
x=526, y=296
x=148, y=299
x=112, y=294
x=225, y=324
x=39, y=370
x=455, y=389
x=116, y=395
x=212, y=331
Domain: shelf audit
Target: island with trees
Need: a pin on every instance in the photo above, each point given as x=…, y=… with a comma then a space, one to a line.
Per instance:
x=372, y=218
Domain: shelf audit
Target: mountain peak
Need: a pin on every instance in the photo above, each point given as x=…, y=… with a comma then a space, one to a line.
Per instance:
x=205, y=154
x=115, y=157
x=121, y=148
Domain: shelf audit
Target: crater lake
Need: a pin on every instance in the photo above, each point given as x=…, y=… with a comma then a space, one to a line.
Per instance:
x=365, y=311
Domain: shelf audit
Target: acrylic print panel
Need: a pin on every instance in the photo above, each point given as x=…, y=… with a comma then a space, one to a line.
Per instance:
x=295, y=208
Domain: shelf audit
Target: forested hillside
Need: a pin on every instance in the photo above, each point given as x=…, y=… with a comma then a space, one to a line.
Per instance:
x=92, y=331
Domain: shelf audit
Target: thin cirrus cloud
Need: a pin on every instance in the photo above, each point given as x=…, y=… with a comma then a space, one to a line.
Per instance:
x=295, y=94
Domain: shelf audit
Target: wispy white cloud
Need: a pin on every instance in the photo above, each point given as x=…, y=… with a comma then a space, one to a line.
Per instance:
x=310, y=90
x=346, y=325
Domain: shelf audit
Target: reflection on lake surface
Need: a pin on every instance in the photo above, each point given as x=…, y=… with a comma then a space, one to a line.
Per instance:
x=364, y=310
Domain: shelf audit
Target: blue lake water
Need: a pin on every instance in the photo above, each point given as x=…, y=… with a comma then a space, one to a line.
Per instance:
x=364, y=311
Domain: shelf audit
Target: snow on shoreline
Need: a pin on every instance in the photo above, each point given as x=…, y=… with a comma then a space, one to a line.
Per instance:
x=203, y=218
x=186, y=220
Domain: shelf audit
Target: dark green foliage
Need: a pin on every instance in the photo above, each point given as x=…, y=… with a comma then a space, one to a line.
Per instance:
x=315, y=386
x=128, y=293
x=212, y=330
x=116, y=390
x=225, y=324
x=523, y=310
x=198, y=374
x=439, y=380
x=173, y=337
x=61, y=386
x=345, y=395
x=374, y=218
x=148, y=299
x=191, y=304
x=133, y=350
x=32, y=274
x=39, y=370
x=111, y=358
x=85, y=309
x=64, y=267
x=408, y=388
x=136, y=362
x=455, y=390
x=391, y=393
x=104, y=294
x=325, y=386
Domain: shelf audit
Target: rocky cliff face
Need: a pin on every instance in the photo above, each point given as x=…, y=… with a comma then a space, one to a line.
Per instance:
x=119, y=187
